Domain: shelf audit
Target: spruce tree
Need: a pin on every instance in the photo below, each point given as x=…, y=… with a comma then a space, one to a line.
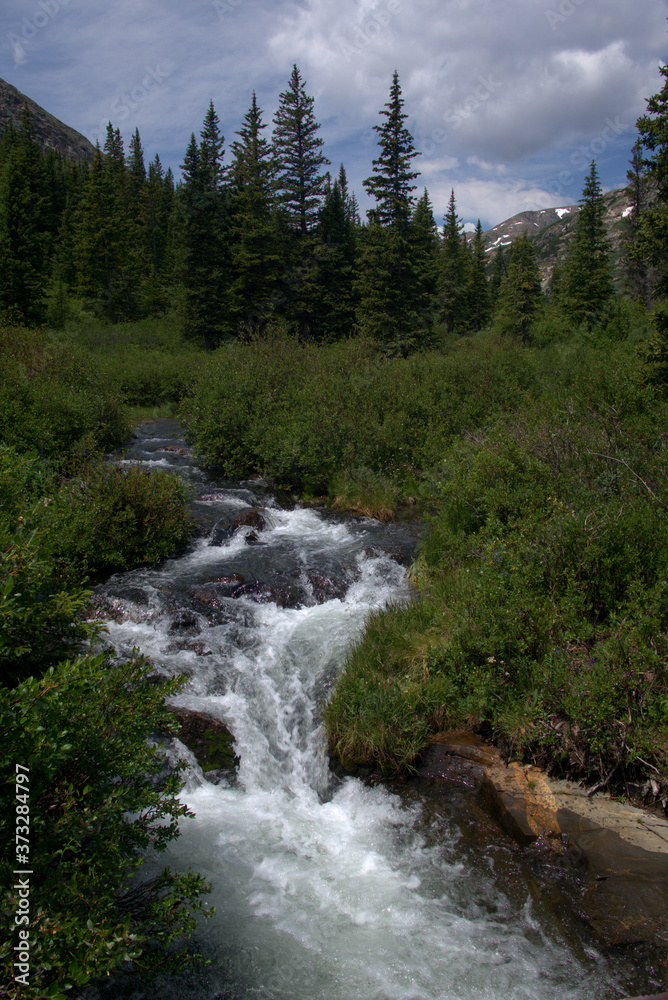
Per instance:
x=336, y=254
x=586, y=286
x=300, y=184
x=651, y=243
x=393, y=272
x=498, y=273
x=24, y=224
x=639, y=277
x=479, y=299
x=204, y=257
x=255, y=237
x=136, y=172
x=211, y=152
x=105, y=237
x=653, y=129
x=155, y=211
x=520, y=295
x=454, y=272
x=426, y=244
x=390, y=183
x=300, y=189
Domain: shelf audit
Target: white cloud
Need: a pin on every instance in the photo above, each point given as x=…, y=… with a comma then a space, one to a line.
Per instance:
x=493, y=90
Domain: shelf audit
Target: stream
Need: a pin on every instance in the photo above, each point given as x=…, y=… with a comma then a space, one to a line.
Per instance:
x=327, y=888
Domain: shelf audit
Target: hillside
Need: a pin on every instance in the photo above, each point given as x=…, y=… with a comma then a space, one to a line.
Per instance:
x=49, y=131
x=549, y=229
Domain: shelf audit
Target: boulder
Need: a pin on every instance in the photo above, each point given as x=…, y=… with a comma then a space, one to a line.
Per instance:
x=207, y=737
x=620, y=852
x=250, y=517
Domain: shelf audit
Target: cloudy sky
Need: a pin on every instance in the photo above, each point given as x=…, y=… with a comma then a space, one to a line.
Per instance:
x=508, y=100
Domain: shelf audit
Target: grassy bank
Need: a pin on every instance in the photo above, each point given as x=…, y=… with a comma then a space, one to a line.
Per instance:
x=343, y=421
x=541, y=617
x=542, y=606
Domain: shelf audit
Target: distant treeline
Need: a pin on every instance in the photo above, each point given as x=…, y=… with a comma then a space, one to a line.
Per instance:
x=262, y=232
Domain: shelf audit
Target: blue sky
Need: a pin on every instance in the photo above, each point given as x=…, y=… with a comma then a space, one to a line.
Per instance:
x=508, y=100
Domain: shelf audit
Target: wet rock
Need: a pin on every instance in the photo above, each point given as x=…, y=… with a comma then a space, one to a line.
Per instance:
x=212, y=593
x=184, y=621
x=283, y=593
x=174, y=449
x=230, y=581
x=102, y=606
x=223, y=530
x=192, y=646
x=207, y=737
x=325, y=588
x=621, y=851
x=134, y=594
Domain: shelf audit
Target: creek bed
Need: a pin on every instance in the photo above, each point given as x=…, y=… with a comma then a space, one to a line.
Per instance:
x=329, y=888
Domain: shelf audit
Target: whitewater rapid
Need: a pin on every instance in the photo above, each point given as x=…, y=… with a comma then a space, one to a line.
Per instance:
x=324, y=887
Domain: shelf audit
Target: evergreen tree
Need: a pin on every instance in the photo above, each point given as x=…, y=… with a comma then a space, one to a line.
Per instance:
x=136, y=172
x=300, y=188
x=395, y=308
x=155, y=211
x=394, y=272
x=639, y=275
x=105, y=237
x=255, y=237
x=520, y=295
x=300, y=183
x=426, y=244
x=651, y=243
x=204, y=257
x=586, y=286
x=454, y=272
x=390, y=183
x=653, y=129
x=211, y=152
x=25, y=218
x=336, y=254
x=499, y=272
x=479, y=299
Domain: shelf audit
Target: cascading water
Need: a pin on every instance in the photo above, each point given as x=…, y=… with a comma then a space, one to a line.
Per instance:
x=324, y=888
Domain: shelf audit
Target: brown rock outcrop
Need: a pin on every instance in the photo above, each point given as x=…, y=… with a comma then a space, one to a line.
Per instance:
x=621, y=852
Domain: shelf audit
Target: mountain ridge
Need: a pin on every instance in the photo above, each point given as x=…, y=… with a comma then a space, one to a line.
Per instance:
x=550, y=229
x=48, y=130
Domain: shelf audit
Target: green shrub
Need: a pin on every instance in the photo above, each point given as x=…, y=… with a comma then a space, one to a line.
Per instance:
x=542, y=582
x=306, y=414
x=39, y=615
x=51, y=397
x=106, y=518
x=75, y=761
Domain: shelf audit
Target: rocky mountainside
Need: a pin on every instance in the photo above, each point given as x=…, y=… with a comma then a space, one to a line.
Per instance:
x=550, y=229
x=51, y=133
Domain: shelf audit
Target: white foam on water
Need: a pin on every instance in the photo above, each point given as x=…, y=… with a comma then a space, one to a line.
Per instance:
x=326, y=890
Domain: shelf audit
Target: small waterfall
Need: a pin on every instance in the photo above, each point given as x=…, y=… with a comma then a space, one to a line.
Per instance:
x=325, y=889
